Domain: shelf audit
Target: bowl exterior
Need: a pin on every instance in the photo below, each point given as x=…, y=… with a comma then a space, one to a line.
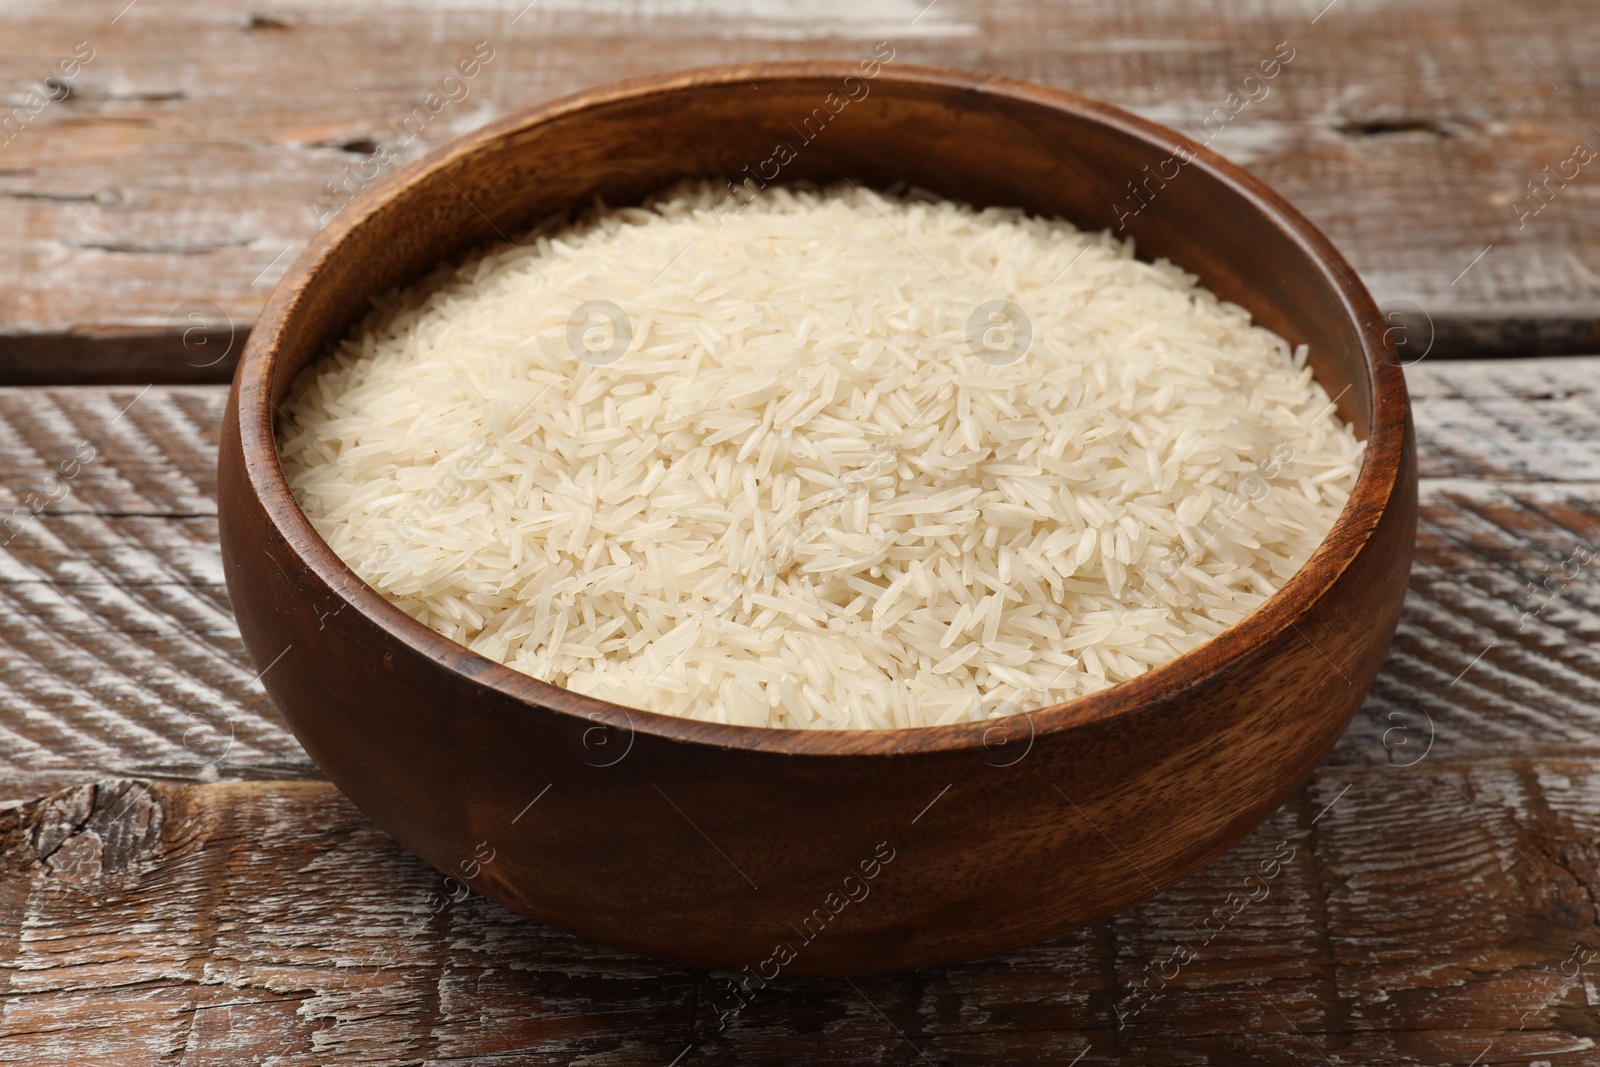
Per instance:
x=768, y=852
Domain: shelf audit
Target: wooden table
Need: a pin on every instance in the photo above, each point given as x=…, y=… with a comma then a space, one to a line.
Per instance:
x=179, y=886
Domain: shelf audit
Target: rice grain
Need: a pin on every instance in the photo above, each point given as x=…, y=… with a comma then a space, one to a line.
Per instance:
x=799, y=479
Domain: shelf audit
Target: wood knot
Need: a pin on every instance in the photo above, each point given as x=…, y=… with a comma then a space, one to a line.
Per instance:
x=94, y=829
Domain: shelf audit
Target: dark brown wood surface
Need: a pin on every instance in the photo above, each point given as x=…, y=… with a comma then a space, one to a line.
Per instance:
x=178, y=886
x=171, y=899
x=1419, y=915
x=177, y=178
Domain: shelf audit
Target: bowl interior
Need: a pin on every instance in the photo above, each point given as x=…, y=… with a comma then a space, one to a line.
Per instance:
x=983, y=140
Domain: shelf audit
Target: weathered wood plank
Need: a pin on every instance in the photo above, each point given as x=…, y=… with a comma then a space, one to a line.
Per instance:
x=120, y=655
x=1525, y=421
x=177, y=176
x=118, y=645
x=1383, y=916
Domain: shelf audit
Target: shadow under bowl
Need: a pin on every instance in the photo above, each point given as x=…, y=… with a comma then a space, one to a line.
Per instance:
x=797, y=852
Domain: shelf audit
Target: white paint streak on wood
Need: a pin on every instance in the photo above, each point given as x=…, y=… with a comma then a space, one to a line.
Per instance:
x=776, y=20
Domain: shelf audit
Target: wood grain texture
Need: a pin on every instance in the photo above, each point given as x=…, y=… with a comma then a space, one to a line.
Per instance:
x=118, y=646
x=1384, y=916
x=177, y=177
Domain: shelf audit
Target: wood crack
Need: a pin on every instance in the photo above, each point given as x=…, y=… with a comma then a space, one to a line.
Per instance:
x=1393, y=127
x=160, y=248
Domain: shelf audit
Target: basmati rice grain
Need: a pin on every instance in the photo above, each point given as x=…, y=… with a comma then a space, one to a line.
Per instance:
x=783, y=478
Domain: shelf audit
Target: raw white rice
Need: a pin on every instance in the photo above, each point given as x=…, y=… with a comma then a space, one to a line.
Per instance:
x=796, y=493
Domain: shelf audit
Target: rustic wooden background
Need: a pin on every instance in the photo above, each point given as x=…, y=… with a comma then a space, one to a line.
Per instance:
x=178, y=886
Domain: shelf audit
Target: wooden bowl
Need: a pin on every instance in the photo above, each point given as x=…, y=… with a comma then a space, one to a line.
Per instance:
x=793, y=852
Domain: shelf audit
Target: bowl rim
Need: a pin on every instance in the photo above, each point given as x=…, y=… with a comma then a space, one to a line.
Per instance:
x=1375, y=485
